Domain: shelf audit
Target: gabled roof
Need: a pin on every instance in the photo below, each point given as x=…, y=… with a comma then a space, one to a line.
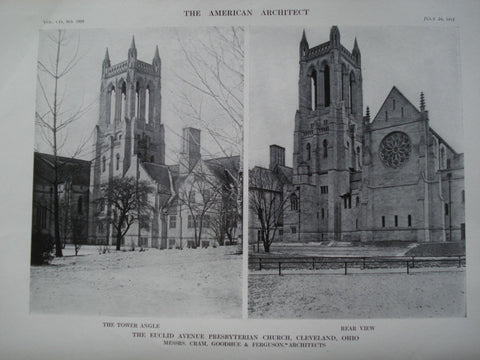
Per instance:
x=286, y=174
x=159, y=173
x=393, y=91
x=442, y=140
x=224, y=168
x=266, y=179
x=72, y=170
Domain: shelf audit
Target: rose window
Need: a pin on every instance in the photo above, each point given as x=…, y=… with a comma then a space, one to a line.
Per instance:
x=395, y=149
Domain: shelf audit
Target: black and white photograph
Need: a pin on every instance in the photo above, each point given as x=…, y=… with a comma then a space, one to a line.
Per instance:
x=225, y=179
x=137, y=173
x=357, y=201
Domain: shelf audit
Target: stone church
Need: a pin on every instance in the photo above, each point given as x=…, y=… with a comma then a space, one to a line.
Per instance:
x=130, y=142
x=357, y=178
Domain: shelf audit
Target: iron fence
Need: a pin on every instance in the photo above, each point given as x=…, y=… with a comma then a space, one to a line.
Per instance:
x=345, y=263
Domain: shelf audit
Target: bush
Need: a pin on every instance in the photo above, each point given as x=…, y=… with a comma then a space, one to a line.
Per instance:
x=42, y=248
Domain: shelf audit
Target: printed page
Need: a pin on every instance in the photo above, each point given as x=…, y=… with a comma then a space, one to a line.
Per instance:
x=239, y=179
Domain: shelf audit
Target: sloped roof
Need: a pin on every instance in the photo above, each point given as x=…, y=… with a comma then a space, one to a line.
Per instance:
x=159, y=173
x=442, y=140
x=266, y=179
x=286, y=173
x=393, y=91
x=69, y=169
x=224, y=168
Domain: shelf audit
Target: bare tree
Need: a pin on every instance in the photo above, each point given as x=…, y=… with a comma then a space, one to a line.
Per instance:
x=224, y=218
x=267, y=202
x=129, y=200
x=212, y=95
x=200, y=196
x=78, y=226
x=53, y=120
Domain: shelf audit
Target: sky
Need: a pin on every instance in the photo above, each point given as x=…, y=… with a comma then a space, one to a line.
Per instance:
x=414, y=59
x=80, y=89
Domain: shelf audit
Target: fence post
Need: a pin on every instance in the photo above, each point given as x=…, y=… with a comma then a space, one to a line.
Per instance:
x=313, y=263
x=279, y=268
x=459, y=261
x=413, y=262
x=345, y=268
x=408, y=269
x=363, y=263
x=259, y=264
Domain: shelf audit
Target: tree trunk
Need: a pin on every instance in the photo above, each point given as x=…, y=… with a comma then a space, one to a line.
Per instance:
x=58, y=240
x=119, y=240
x=266, y=247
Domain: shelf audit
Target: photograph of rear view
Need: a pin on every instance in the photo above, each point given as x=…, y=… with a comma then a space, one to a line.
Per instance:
x=137, y=172
x=356, y=180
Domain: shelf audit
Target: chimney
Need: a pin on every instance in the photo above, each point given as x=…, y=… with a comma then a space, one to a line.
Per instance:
x=277, y=156
x=190, y=153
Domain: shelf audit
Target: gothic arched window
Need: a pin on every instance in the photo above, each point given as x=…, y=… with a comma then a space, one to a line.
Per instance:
x=313, y=90
x=104, y=163
x=117, y=166
x=344, y=74
x=325, y=148
x=147, y=105
x=359, y=158
x=293, y=202
x=326, y=85
x=111, y=106
x=309, y=151
x=137, y=100
x=123, y=102
x=350, y=95
x=442, y=158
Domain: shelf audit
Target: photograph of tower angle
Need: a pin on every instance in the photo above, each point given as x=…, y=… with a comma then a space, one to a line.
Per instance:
x=136, y=175
x=356, y=209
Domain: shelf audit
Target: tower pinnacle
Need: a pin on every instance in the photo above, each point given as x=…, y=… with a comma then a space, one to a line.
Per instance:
x=132, y=52
x=335, y=36
x=356, y=52
x=106, y=62
x=303, y=45
x=156, y=60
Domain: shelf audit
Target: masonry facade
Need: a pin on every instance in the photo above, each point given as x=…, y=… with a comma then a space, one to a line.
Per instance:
x=73, y=191
x=390, y=178
x=189, y=197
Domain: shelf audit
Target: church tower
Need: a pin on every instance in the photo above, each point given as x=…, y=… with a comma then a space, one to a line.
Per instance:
x=327, y=136
x=129, y=126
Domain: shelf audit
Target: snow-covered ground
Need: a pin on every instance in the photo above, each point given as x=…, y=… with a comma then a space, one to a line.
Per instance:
x=163, y=283
x=375, y=293
x=332, y=249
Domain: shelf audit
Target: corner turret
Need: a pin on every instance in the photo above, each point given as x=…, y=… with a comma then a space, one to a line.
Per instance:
x=156, y=62
x=132, y=52
x=304, y=45
x=106, y=63
x=335, y=37
x=356, y=53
